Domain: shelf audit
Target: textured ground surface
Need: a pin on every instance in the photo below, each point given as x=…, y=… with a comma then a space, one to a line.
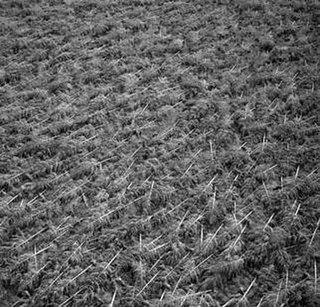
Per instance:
x=159, y=153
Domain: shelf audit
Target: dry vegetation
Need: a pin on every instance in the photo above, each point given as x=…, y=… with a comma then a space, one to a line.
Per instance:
x=159, y=153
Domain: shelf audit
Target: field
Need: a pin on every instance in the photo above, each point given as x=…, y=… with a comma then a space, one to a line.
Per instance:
x=159, y=153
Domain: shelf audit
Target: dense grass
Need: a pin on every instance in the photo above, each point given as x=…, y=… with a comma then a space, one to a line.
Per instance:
x=159, y=153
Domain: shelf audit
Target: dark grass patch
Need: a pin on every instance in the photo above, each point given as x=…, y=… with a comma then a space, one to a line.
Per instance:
x=159, y=153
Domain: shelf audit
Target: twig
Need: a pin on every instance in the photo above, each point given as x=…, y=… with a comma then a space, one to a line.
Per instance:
x=314, y=233
x=149, y=282
x=207, y=186
x=264, y=141
x=214, y=235
x=150, y=193
x=297, y=172
x=189, y=295
x=33, y=236
x=134, y=152
x=244, y=218
x=11, y=200
x=182, y=220
x=201, y=235
x=315, y=277
x=192, y=270
x=113, y=298
x=246, y=293
x=156, y=239
x=36, y=273
x=296, y=213
x=157, y=247
x=177, y=284
x=214, y=198
x=168, y=274
x=287, y=279
x=278, y=294
x=52, y=283
x=238, y=238
x=265, y=188
x=187, y=170
x=154, y=265
x=211, y=149
x=78, y=275
x=268, y=222
x=37, y=253
x=70, y=298
x=162, y=295
x=174, y=208
x=260, y=302
x=270, y=168
x=109, y=263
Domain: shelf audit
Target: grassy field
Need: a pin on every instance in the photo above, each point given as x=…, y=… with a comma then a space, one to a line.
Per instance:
x=159, y=153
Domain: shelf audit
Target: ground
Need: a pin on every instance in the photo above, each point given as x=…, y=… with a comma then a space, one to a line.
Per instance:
x=159, y=153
